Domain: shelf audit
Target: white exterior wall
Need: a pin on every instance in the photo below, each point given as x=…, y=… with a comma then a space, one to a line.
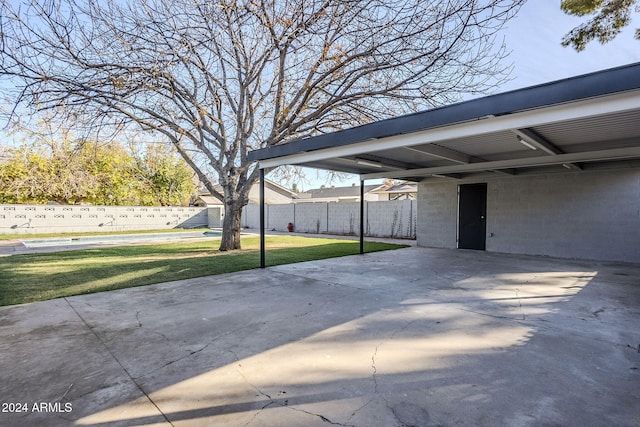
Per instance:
x=215, y=216
x=31, y=219
x=585, y=215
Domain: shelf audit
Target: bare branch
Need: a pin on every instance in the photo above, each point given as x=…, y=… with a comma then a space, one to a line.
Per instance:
x=222, y=77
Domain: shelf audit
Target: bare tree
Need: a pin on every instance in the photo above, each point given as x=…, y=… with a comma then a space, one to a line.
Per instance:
x=219, y=78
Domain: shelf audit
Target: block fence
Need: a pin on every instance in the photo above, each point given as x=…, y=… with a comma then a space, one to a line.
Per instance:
x=31, y=219
x=381, y=219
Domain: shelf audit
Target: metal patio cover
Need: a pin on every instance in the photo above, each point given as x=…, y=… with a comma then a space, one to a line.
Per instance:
x=579, y=123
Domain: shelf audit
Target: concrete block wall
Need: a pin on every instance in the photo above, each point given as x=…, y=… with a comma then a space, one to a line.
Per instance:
x=251, y=216
x=344, y=218
x=391, y=218
x=311, y=217
x=438, y=214
x=382, y=219
x=31, y=219
x=584, y=215
x=279, y=216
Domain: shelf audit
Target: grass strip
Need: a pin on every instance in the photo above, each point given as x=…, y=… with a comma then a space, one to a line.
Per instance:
x=44, y=276
x=5, y=236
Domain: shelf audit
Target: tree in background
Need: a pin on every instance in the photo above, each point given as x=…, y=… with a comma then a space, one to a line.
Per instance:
x=219, y=78
x=162, y=177
x=610, y=17
x=100, y=174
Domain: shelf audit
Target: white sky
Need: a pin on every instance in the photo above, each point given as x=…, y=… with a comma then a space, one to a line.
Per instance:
x=534, y=38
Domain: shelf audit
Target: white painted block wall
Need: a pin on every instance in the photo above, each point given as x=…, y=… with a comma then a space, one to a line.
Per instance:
x=382, y=219
x=31, y=219
x=344, y=218
x=585, y=215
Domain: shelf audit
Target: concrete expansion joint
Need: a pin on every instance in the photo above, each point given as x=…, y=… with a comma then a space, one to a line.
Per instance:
x=115, y=358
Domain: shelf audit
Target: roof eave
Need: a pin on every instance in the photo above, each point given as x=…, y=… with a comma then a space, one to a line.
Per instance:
x=597, y=84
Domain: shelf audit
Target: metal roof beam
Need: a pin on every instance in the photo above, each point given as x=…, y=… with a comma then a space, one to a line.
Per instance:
x=537, y=141
x=453, y=155
x=386, y=163
x=531, y=138
x=442, y=153
x=559, y=159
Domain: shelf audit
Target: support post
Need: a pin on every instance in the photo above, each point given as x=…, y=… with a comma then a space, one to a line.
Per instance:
x=361, y=216
x=262, y=225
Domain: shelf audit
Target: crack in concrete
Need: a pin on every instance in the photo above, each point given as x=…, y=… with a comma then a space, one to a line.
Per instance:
x=396, y=416
x=258, y=413
x=359, y=409
x=235, y=356
x=375, y=352
x=284, y=404
x=138, y=319
x=322, y=417
x=520, y=303
x=375, y=369
x=192, y=352
x=495, y=316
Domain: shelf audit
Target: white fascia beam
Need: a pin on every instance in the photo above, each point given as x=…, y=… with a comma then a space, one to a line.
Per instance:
x=588, y=156
x=558, y=113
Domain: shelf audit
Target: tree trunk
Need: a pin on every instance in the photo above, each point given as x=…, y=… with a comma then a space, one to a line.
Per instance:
x=231, y=227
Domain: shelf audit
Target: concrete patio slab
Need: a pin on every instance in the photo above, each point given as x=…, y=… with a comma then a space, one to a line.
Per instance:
x=413, y=337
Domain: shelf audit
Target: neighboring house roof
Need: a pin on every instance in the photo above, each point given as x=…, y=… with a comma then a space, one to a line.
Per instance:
x=588, y=121
x=205, y=200
x=403, y=187
x=336, y=192
x=274, y=193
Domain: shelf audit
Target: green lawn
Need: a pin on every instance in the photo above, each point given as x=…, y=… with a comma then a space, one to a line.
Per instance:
x=38, y=277
x=96, y=233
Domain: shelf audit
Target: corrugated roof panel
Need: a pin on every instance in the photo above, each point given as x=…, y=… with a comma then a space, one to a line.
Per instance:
x=484, y=145
x=412, y=157
x=615, y=126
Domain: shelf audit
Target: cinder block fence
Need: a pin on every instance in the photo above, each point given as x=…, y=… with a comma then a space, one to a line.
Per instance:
x=382, y=219
x=31, y=219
